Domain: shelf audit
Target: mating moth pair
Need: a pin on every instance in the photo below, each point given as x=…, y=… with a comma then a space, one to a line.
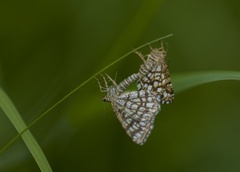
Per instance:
x=137, y=110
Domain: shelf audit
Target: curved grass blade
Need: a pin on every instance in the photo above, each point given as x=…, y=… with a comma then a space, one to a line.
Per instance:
x=182, y=82
x=77, y=88
x=15, y=118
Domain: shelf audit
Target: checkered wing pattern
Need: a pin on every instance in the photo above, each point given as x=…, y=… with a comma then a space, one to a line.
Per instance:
x=155, y=76
x=136, y=112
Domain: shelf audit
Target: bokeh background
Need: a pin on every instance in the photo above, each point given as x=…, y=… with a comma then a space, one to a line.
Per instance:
x=48, y=48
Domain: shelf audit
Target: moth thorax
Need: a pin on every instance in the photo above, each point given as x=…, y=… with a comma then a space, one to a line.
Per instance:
x=111, y=94
x=158, y=54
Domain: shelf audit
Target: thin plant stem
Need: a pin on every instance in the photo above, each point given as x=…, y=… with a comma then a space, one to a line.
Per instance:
x=77, y=88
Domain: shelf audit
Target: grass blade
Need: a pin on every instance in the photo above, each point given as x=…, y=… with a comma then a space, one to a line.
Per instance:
x=182, y=82
x=15, y=118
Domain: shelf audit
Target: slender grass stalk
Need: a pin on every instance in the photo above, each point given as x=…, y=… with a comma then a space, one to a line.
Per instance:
x=76, y=89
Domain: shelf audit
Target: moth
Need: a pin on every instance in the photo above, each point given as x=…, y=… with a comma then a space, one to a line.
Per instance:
x=154, y=75
x=135, y=110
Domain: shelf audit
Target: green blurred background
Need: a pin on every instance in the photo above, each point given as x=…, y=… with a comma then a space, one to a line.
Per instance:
x=48, y=48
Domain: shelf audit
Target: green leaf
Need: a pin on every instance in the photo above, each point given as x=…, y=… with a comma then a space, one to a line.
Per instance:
x=15, y=118
x=182, y=82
